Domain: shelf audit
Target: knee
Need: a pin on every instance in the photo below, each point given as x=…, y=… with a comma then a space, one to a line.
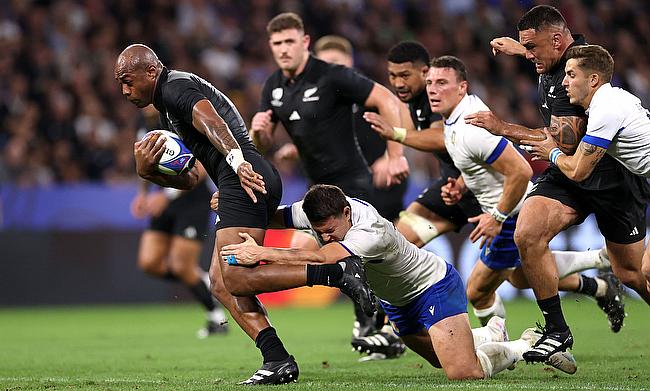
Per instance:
x=457, y=372
x=525, y=238
x=476, y=296
x=645, y=268
x=631, y=278
x=234, y=282
x=150, y=265
x=218, y=289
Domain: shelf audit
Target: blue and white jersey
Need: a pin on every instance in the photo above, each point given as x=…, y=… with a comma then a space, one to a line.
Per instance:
x=473, y=150
x=618, y=123
x=396, y=269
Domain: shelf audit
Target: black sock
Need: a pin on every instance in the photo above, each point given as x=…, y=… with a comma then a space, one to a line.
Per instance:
x=269, y=344
x=203, y=295
x=552, y=311
x=169, y=276
x=323, y=274
x=588, y=285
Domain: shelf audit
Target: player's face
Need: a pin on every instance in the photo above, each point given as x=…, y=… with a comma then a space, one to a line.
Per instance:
x=334, y=56
x=444, y=90
x=334, y=228
x=289, y=48
x=407, y=79
x=137, y=85
x=576, y=83
x=540, y=48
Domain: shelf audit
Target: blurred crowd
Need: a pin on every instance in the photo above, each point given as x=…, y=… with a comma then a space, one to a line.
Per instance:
x=63, y=120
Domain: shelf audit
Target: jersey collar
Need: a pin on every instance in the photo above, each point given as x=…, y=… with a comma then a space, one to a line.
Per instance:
x=308, y=66
x=157, y=95
x=458, y=110
x=599, y=92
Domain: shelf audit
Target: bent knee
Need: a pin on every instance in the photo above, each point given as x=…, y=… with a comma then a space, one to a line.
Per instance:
x=463, y=373
x=150, y=265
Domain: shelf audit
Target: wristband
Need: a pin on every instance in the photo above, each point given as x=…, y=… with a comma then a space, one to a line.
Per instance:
x=235, y=158
x=498, y=216
x=399, y=134
x=554, y=155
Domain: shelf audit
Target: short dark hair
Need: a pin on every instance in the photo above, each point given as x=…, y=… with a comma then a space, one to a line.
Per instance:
x=333, y=42
x=324, y=201
x=541, y=16
x=593, y=58
x=451, y=62
x=408, y=51
x=285, y=21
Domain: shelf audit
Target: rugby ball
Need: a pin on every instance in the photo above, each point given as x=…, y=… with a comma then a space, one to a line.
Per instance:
x=177, y=158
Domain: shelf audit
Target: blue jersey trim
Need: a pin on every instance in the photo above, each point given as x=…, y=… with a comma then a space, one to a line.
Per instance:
x=347, y=249
x=359, y=201
x=597, y=141
x=287, y=216
x=497, y=151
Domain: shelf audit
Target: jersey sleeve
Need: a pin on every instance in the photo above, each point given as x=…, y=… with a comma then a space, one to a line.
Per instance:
x=364, y=242
x=484, y=146
x=350, y=83
x=602, y=126
x=180, y=96
x=294, y=216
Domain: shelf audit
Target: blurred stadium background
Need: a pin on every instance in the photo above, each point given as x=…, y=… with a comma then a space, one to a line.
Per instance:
x=66, y=166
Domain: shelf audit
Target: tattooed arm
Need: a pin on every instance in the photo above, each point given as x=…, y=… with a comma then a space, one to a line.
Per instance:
x=206, y=120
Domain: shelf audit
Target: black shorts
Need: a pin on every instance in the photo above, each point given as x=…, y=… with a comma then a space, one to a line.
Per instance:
x=187, y=216
x=619, y=207
x=236, y=209
x=456, y=214
x=389, y=202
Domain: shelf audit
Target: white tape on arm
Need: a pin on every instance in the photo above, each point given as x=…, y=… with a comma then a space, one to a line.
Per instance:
x=235, y=158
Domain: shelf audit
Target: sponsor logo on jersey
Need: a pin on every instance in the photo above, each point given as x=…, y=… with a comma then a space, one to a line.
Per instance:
x=308, y=96
x=294, y=116
x=276, y=94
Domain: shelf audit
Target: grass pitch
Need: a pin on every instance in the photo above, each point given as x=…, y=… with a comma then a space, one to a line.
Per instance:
x=154, y=347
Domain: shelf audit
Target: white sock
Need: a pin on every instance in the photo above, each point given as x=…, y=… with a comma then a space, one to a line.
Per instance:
x=205, y=277
x=497, y=308
x=481, y=335
x=602, y=287
x=497, y=356
x=217, y=316
x=569, y=262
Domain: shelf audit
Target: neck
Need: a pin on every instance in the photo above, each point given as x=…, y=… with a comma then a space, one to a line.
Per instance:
x=155, y=85
x=585, y=104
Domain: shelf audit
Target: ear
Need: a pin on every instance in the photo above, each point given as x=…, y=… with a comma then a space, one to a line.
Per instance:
x=152, y=71
x=462, y=87
x=347, y=212
x=594, y=80
x=424, y=70
x=557, y=41
x=306, y=40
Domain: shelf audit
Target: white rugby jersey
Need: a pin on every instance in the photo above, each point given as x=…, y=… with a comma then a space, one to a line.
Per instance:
x=618, y=123
x=396, y=269
x=473, y=149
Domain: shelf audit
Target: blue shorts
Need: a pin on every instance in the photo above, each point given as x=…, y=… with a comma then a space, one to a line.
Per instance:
x=502, y=253
x=443, y=299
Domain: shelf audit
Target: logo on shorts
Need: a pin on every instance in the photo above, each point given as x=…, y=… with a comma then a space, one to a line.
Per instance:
x=431, y=309
x=276, y=94
x=190, y=232
x=635, y=231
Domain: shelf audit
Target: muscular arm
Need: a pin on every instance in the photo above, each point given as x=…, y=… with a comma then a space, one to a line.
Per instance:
x=206, y=120
x=580, y=166
x=427, y=140
x=517, y=174
x=566, y=130
x=250, y=253
x=389, y=108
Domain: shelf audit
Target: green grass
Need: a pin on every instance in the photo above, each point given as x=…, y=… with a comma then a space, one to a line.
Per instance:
x=154, y=347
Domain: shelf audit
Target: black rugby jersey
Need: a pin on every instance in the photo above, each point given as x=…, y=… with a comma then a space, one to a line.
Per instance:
x=553, y=101
x=316, y=110
x=175, y=96
x=423, y=117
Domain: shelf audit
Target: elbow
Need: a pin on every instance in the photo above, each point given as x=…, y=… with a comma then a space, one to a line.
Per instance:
x=577, y=176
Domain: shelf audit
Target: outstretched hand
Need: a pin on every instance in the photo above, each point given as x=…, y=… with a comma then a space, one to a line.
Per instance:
x=507, y=45
x=486, y=120
x=452, y=192
x=250, y=180
x=540, y=149
x=379, y=124
x=246, y=253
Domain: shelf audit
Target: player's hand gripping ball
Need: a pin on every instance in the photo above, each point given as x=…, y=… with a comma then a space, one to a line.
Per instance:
x=177, y=158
